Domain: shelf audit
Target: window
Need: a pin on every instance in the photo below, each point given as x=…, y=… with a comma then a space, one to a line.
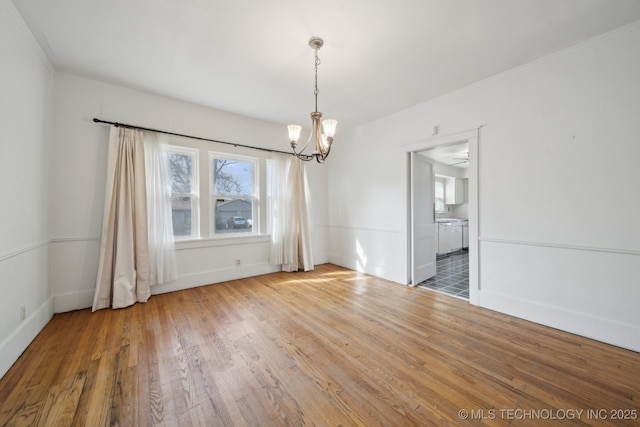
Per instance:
x=439, y=194
x=234, y=193
x=215, y=194
x=183, y=164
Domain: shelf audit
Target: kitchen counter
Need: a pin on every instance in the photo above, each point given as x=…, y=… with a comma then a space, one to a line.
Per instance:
x=439, y=220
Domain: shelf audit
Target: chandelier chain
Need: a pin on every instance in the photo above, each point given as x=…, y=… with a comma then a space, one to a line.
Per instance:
x=316, y=91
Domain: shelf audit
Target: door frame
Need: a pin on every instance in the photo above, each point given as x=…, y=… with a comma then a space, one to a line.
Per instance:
x=472, y=137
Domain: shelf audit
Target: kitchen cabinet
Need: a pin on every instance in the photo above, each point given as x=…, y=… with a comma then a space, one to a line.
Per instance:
x=453, y=191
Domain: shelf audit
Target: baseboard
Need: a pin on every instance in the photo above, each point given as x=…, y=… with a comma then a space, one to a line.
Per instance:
x=214, y=276
x=16, y=343
x=70, y=301
x=84, y=299
x=322, y=258
x=604, y=330
x=372, y=269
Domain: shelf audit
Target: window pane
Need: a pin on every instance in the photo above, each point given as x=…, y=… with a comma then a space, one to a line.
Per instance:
x=180, y=172
x=439, y=195
x=232, y=177
x=233, y=215
x=439, y=189
x=181, y=215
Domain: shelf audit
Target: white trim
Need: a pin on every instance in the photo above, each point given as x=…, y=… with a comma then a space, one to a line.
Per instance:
x=17, y=342
x=221, y=241
x=377, y=270
x=376, y=230
x=17, y=18
x=81, y=299
x=73, y=239
x=254, y=197
x=540, y=60
x=209, y=277
x=597, y=328
x=551, y=56
x=472, y=136
x=76, y=300
x=22, y=250
x=560, y=246
x=451, y=138
x=195, y=195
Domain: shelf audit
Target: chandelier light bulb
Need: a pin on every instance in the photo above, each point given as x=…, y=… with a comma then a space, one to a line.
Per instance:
x=294, y=133
x=329, y=126
x=325, y=141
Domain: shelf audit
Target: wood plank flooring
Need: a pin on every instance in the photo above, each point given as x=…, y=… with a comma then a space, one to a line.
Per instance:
x=331, y=347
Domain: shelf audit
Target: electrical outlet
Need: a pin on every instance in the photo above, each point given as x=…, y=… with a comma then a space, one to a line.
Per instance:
x=237, y=262
x=23, y=312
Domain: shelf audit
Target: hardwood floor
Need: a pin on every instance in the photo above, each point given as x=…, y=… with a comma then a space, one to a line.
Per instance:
x=329, y=347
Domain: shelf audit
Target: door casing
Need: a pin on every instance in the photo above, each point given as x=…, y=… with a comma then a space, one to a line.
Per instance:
x=472, y=137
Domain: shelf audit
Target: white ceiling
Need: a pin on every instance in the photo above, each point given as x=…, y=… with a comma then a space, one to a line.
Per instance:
x=251, y=56
x=450, y=155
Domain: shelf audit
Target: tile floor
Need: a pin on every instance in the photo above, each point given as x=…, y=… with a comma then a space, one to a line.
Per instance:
x=452, y=275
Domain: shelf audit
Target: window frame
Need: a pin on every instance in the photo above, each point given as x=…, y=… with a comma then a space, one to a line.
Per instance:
x=214, y=197
x=439, y=202
x=195, y=188
x=204, y=235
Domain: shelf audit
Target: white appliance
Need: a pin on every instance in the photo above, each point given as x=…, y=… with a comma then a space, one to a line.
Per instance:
x=465, y=234
x=449, y=237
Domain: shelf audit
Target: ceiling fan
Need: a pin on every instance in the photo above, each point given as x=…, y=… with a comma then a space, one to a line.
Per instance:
x=461, y=159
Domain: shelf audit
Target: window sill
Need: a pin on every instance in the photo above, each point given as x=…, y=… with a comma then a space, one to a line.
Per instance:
x=222, y=241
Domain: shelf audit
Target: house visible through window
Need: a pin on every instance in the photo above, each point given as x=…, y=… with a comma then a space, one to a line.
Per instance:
x=234, y=195
x=183, y=164
x=214, y=194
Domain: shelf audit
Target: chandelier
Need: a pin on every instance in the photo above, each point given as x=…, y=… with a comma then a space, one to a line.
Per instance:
x=317, y=139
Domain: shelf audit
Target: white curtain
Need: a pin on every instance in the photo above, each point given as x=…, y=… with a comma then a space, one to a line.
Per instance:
x=162, y=258
x=128, y=265
x=289, y=207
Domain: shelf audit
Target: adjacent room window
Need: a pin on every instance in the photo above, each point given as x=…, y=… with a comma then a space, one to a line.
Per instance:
x=183, y=164
x=234, y=193
x=439, y=194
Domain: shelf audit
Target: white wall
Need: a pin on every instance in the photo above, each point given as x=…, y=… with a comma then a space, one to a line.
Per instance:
x=26, y=93
x=558, y=149
x=79, y=161
x=367, y=204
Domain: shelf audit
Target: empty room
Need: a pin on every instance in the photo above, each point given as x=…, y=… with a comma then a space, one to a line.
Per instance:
x=338, y=213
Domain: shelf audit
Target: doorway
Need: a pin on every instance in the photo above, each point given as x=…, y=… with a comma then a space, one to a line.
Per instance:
x=451, y=210
x=463, y=262
x=452, y=275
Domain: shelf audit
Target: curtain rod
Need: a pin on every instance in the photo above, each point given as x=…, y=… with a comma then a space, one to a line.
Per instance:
x=123, y=125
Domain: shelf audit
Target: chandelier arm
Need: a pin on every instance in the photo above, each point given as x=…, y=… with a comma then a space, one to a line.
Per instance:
x=307, y=144
x=317, y=130
x=301, y=156
x=320, y=158
x=304, y=158
x=324, y=156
